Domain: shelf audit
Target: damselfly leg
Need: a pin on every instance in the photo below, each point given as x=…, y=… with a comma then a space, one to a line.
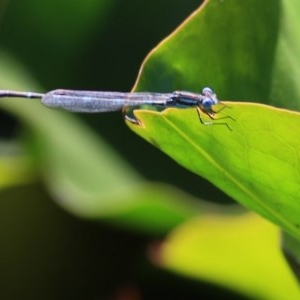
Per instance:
x=211, y=114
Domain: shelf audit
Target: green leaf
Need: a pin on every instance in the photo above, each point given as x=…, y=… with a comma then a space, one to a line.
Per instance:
x=220, y=45
x=256, y=162
x=285, y=88
x=238, y=252
x=227, y=45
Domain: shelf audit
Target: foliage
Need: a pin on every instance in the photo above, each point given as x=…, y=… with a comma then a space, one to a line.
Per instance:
x=245, y=51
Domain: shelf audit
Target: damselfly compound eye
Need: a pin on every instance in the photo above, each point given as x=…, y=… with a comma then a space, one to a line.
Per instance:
x=207, y=92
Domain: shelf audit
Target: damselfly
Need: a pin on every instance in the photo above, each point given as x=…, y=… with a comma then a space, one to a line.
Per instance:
x=99, y=101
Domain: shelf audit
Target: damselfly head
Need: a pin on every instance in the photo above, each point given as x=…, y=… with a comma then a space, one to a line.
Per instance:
x=210, y=98
x=207, y=92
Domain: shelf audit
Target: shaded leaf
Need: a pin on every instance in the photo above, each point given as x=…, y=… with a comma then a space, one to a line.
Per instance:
x=228, y=45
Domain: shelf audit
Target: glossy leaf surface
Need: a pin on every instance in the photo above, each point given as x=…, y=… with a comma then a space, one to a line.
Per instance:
x=257, y=161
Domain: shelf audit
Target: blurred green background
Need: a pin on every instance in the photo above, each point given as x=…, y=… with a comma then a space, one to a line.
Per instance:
x=45, y=252
x=100, y=45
